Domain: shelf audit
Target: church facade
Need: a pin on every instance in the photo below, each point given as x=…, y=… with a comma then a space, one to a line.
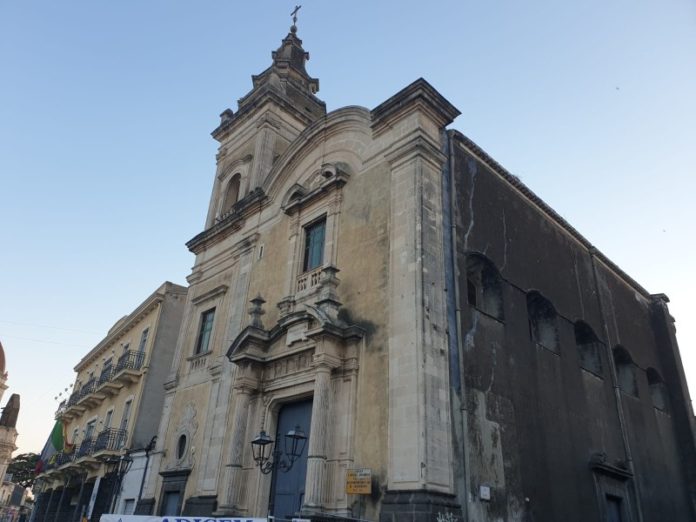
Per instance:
x=372, y=291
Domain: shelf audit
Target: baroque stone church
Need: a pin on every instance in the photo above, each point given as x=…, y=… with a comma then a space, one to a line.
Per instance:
x=373, y=291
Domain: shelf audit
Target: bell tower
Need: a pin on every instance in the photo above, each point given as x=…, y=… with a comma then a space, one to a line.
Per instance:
x=281, y=104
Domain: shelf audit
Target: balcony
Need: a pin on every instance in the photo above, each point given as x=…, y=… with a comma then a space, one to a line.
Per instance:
x=105, y=384
x=87, y=388
x=72, y=408
x=308, y=281
x=63, y=458
x=88, y=395
x=128, y=368
x=105, y=375
x=86, y=448
x=61, y=408
x=74, y=397
x=110, y=440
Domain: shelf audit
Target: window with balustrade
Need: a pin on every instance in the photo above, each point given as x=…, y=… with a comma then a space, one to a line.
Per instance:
x=314, y=245
x=205, y=332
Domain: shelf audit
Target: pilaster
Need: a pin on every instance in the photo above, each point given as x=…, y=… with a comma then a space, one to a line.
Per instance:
x=420, y=446
x=319, y=432
x=264, y=149
x=231, y=503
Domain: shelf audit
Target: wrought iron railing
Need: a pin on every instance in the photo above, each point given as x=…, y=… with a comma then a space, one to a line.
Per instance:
x=111, y=439
x=130, y=360
x=105, y=375
x=86, y=448
x=74, y=397
x=64, y=458
x=88, y=388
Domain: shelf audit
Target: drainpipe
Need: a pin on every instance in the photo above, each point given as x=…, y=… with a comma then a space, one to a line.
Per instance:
x=454, y=300
x=615, y=384
x=148, y=449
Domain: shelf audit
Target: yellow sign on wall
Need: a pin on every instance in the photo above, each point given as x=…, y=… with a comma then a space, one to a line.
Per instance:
x=359, y=481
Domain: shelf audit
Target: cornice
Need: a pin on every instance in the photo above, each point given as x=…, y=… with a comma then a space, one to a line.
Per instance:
x=304, y=197
x=231, y=222
x=218, y=290
x=419, y=95
x=417, y=145
x=351, y=118
x=253, y=102
x=262, y=339
x=131, y=321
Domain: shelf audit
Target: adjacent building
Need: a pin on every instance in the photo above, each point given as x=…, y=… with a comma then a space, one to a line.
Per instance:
x=110, y=420
x=8, y=419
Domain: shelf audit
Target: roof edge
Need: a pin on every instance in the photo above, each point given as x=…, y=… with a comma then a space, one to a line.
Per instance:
x=546, y=209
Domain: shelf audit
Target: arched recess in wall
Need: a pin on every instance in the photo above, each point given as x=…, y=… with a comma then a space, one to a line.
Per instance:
x=542, y=316
x=589, y=348
x=625, y=371
x=231, y=193
x=658, y=390
x=484, y=287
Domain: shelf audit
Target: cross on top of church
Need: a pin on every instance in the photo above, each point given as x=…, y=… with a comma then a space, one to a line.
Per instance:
x=294, y=14
x=294, y=18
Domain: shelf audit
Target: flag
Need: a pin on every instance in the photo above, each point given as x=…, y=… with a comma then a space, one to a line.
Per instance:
x=54, y=444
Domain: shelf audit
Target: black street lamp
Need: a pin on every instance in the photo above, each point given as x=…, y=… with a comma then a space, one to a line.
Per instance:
x=118, y=466
x=262, y=448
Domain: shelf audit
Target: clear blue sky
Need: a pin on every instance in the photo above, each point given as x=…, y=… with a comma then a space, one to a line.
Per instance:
x=106, y=161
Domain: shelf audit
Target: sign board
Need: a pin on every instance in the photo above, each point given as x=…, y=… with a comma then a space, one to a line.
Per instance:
x=141, y=518
x=359, y=481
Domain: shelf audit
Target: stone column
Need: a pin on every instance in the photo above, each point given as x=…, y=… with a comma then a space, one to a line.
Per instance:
x=233, y=496
x=316, y=453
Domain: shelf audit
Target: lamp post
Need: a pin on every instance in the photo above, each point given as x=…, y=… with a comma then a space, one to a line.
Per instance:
x=262, y=448
x=118, y=465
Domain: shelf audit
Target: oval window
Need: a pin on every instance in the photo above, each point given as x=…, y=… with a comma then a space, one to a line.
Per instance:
x=181, y=447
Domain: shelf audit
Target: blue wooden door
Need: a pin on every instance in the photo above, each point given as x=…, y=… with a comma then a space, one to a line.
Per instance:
x=289, y=488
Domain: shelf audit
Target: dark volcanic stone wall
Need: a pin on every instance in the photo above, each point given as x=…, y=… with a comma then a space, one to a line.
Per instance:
x=546, y=435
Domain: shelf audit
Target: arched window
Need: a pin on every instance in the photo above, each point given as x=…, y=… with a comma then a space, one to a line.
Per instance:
x=589, y=348
x=542, y=321
x=658, y=390
x=625, y=371
x=484, y=286
x=231, y=193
